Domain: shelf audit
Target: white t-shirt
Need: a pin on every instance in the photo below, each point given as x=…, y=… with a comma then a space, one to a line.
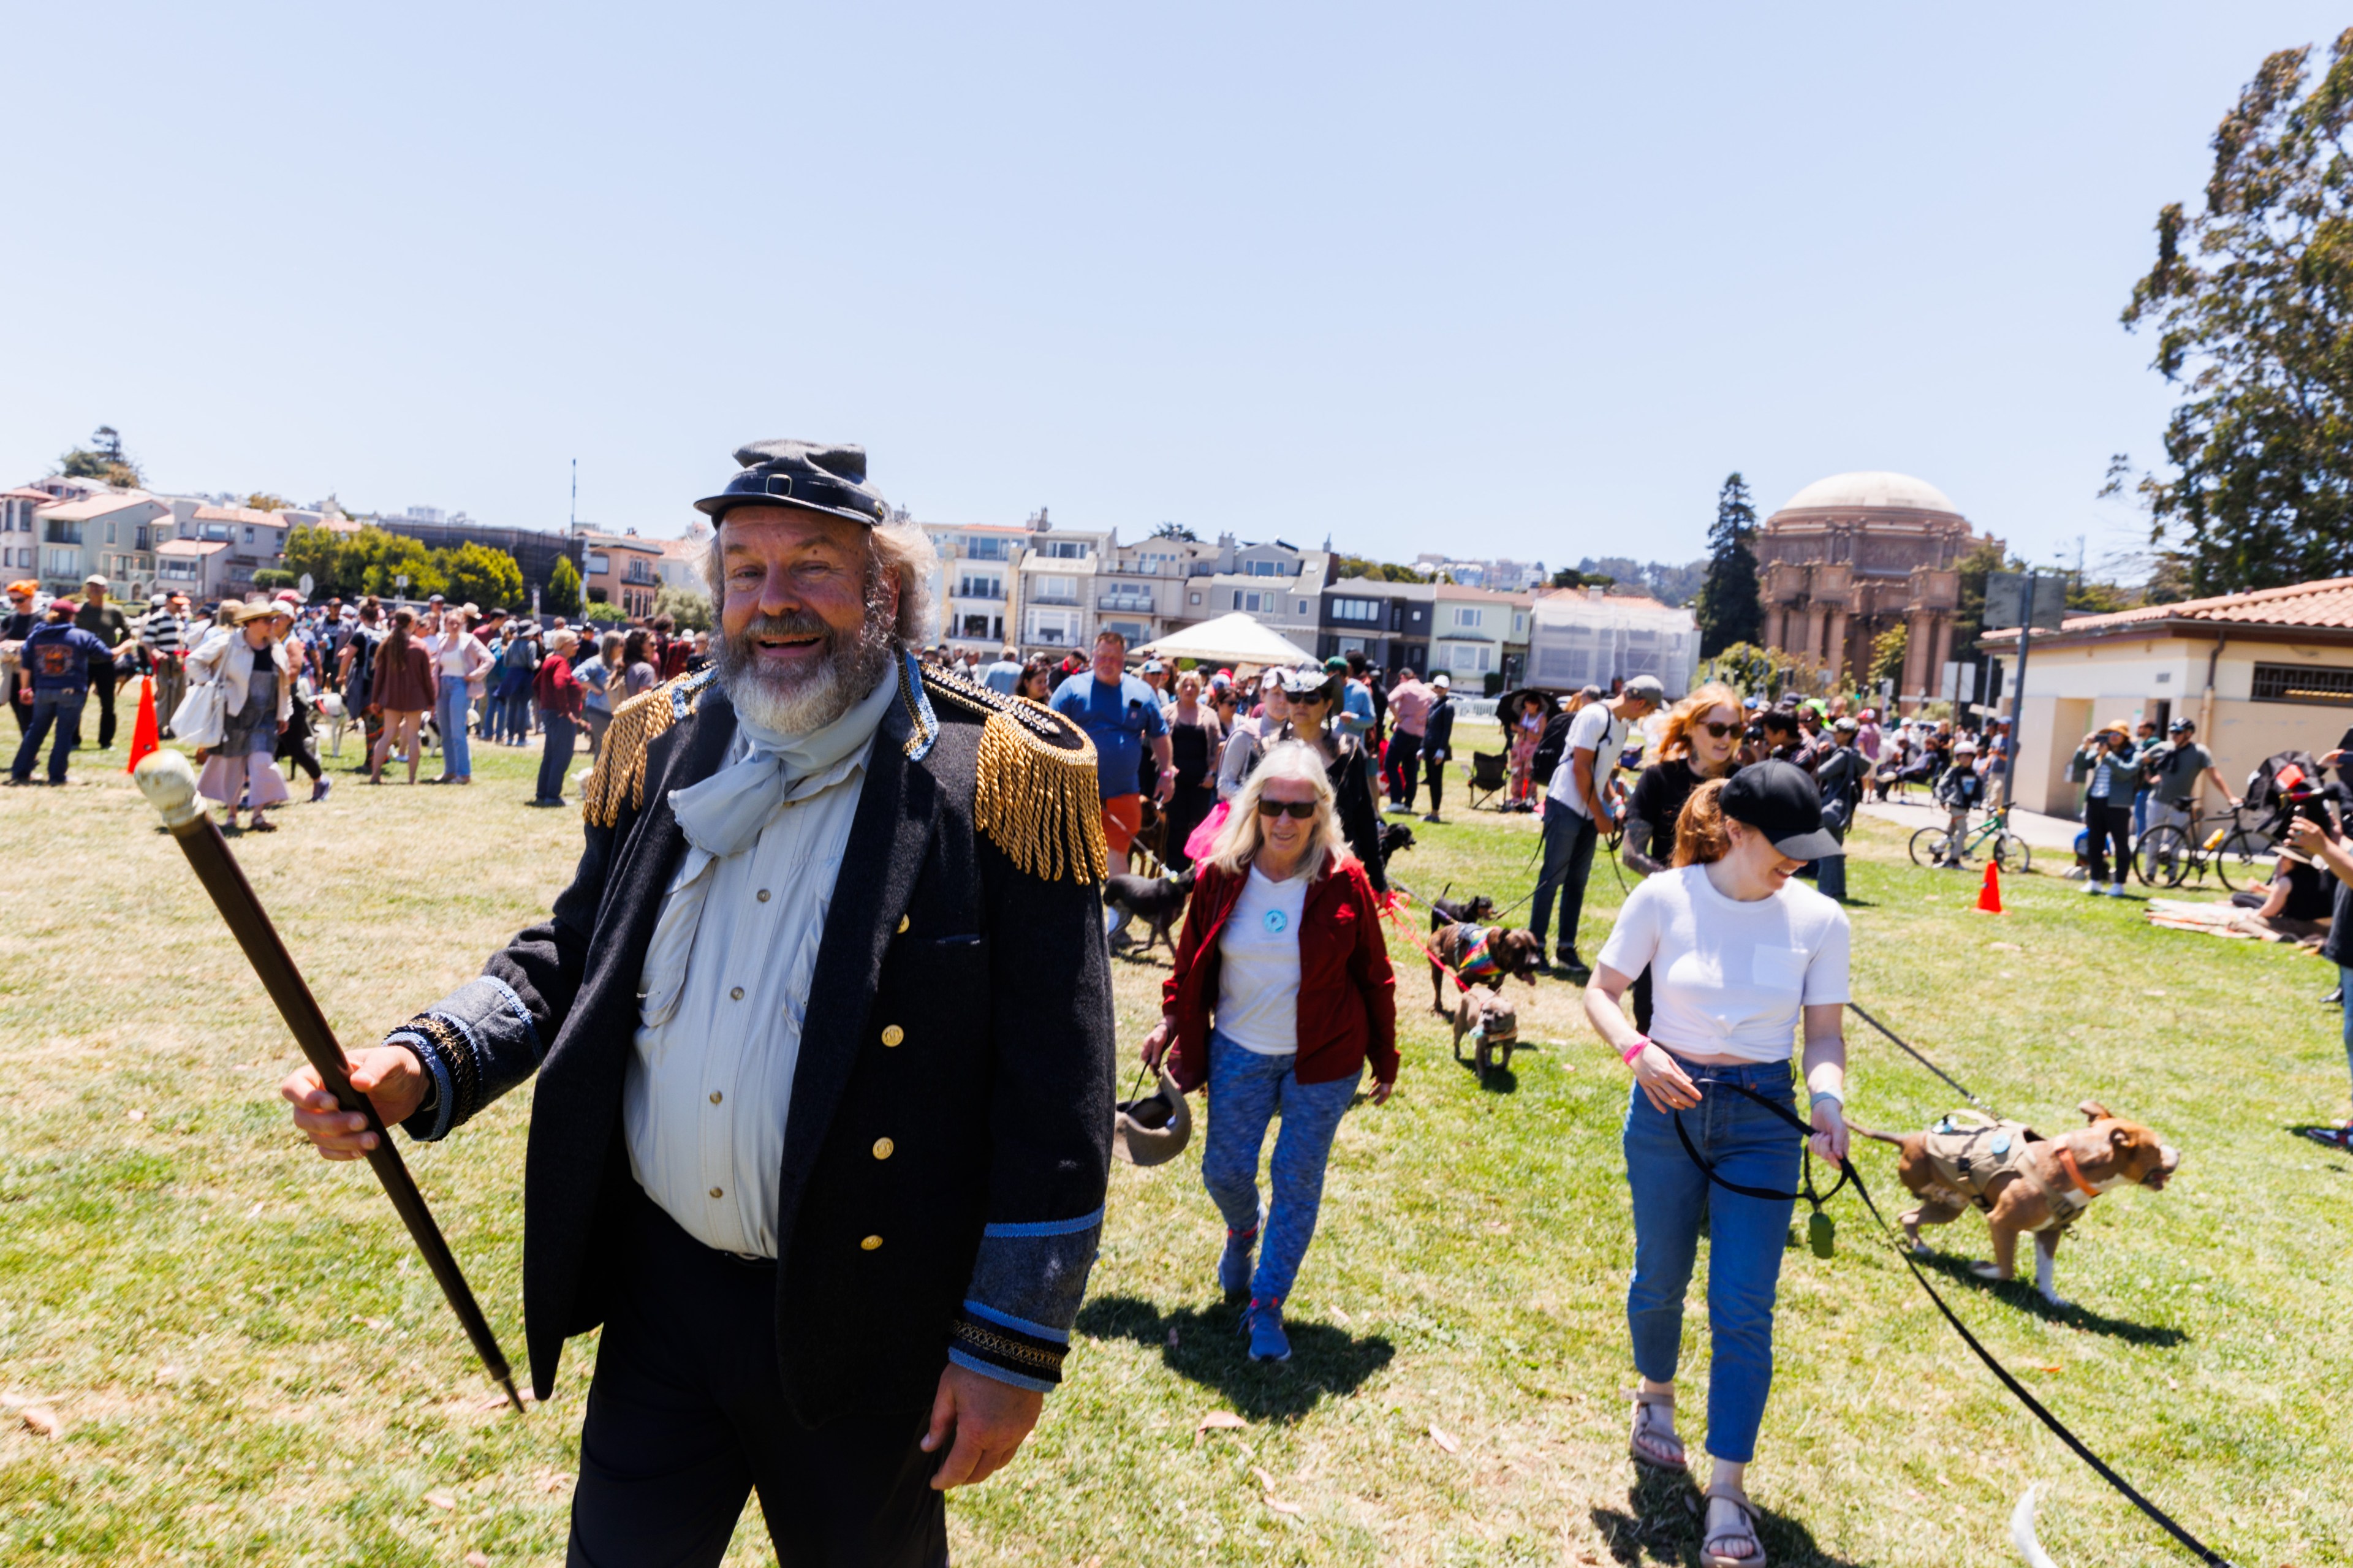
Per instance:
x=1728, y=978
x=1258, y=966
x=1598, y=729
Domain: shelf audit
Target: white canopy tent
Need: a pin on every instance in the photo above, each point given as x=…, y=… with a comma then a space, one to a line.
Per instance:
x=1233, y=638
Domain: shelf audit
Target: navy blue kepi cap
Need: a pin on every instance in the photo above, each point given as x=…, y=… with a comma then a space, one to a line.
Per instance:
x=1779, y=800
x=815, y=475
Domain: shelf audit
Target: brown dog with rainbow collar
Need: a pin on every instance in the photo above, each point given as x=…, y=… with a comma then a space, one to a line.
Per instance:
x=2024, y=1182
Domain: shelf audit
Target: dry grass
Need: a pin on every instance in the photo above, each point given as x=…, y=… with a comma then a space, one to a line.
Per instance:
x=249, y=1367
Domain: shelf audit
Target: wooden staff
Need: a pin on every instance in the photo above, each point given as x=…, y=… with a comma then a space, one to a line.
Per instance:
x=170, y=786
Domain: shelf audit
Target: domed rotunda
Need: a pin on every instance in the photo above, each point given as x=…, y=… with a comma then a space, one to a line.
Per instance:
x=1853, y=555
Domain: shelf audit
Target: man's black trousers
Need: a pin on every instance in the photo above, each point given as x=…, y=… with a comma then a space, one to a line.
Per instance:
x=101, y=687
x=1403, y=752
x=687, y=1415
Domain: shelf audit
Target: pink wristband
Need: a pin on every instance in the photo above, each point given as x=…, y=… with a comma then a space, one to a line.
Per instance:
x=1636, y=1049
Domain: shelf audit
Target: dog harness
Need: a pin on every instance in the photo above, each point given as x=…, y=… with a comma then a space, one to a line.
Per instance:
x=1473, y=960
x=1971, y=1154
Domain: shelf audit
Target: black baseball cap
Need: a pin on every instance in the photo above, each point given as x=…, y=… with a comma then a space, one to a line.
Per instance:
x=1778, y=799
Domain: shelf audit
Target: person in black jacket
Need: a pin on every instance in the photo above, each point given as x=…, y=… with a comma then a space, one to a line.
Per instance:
x=1315, y=704
x=822, y=1039
x=1438, y=740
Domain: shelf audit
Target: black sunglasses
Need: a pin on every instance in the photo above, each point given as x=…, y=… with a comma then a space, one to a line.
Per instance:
x=1298, y=810
x=1719, y=731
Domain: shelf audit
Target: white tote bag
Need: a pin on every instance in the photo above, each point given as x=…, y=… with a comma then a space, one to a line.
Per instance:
x=197, y=720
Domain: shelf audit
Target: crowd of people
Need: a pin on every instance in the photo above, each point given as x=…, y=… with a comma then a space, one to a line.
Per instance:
x=270, y=672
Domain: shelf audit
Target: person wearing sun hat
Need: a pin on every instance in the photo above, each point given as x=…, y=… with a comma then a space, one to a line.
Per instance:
x=2105, y=764
x=820, y=1044
x=256, y=679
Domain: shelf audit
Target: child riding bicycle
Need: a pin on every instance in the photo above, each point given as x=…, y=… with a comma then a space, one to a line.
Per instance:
x=1959, y=791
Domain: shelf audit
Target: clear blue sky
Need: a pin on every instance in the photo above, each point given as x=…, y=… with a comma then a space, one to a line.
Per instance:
x=1502, y=279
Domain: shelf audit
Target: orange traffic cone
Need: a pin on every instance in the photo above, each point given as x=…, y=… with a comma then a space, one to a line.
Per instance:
x=1989, y=895
x=143, y=736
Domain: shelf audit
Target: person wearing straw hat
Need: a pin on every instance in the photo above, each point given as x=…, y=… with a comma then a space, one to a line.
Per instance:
x=2104, y=763
x=258, y=703
x=1280, y=994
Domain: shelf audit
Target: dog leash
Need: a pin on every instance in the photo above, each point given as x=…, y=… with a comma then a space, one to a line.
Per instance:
x=2059, y=1428
x=1822, y=1231
x=1949, y=1081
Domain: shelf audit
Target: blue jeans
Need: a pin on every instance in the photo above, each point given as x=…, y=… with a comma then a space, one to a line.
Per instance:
x=450, y=710
x=1245, y=1089
x=62, y=709
x=1568, y=840
x=2344, y=978
x=1748, y=1144
x=556, y=761
x=515, y=717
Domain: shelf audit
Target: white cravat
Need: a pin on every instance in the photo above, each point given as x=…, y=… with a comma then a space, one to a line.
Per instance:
x=726, y=978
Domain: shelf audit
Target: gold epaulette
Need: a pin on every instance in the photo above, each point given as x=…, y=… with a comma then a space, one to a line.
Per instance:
x=619, y=777
x=1037, y=797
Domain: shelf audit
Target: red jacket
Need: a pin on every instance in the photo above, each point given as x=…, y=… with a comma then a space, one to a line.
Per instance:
x=1347, y=996
x=557, y=690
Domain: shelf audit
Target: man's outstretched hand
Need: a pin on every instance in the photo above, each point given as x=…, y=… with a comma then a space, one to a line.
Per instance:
x=989, y=1419
x=390, y=1075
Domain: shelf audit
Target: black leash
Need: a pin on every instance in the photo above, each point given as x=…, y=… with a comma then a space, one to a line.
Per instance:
x=2100, y=1467
x=1949, y=1081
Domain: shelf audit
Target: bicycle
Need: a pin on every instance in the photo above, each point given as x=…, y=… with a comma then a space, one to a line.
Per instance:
x=1933, y=847
x=2241, y=855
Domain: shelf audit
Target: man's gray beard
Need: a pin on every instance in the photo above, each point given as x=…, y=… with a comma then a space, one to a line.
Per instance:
x=800, y=706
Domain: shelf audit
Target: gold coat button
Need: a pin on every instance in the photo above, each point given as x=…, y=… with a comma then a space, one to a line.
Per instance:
x=737, y=994
x=902, y=925
x=714, y=1097
x=714, y=1192
x=871, y=1243
x=885, y=1148
x=892, y=1034
x=762, y=895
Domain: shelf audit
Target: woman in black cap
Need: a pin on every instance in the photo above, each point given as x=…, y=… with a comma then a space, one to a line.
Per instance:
x=1743, y=955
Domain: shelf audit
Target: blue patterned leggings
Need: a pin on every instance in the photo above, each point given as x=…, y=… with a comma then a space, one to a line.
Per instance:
x=1245, y=1091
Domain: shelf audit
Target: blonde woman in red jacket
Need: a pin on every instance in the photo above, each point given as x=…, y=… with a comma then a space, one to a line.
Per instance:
x=1281, y=992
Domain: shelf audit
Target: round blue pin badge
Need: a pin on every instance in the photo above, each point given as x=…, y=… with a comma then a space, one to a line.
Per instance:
x=1274, y=921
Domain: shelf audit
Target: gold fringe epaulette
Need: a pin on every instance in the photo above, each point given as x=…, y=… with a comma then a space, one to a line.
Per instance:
x=618, y=778
x=1037, y=797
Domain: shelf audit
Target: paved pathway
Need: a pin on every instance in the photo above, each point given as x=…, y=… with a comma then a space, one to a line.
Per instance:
x=2040, y=832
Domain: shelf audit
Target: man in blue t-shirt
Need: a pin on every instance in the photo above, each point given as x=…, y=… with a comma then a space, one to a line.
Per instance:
x=1118, y=712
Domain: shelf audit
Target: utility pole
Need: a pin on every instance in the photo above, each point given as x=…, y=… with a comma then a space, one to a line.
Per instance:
x=574, y=527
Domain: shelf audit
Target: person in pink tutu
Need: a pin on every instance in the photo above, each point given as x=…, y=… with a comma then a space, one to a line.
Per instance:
x=257, y=684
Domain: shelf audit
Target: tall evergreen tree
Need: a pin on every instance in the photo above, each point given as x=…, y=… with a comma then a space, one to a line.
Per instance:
x=1728, y=611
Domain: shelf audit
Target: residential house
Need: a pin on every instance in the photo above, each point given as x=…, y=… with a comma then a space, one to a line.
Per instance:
x=535, y=551
x=20, y=549
x=256, y=541
x=1479, y=636
x=622, y=570
x=1031, y=585
x=197, y=567
x=681, y=565
x=95, y=534
x=1278, y=585
x=1388, y=623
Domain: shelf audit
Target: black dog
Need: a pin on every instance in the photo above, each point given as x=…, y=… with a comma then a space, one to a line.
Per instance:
x=1476, y=911
x=1155, y=901
x=1395, y=835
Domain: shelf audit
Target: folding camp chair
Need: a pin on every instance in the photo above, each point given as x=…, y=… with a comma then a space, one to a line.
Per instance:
x=1489, y=776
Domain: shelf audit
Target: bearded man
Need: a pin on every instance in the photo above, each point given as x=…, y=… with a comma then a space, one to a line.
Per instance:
x=823, y=1035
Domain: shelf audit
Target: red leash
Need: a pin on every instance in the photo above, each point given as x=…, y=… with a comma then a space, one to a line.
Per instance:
x=1390, y=902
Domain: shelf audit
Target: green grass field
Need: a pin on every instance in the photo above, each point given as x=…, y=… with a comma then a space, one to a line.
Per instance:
x=248, y=1366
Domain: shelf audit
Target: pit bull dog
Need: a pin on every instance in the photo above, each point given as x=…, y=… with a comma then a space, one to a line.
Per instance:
x=1480, y=956
x=2023, y=1181
x=1493, y=1026
x=329, y=706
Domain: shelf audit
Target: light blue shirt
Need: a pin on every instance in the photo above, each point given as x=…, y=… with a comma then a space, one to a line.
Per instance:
x=1355, y=708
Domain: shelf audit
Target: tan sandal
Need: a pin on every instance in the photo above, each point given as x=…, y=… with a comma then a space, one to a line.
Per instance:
x=1643, y=1404
x=1748, y=1518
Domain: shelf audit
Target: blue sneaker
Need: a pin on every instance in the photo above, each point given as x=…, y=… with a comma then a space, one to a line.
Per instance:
x=1234, y=1266
x=1264, y=1322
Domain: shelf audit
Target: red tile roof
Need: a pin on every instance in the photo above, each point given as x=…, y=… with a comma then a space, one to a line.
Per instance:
x=190, y=546
x=2327, y=603
x=238, y=514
